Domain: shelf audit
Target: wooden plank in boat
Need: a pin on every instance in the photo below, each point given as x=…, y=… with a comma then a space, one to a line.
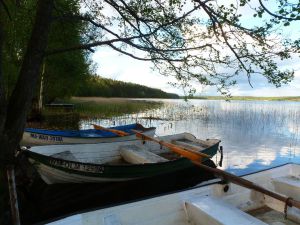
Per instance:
x=210, y=210
x=288, y=185
x=136, y=155
x=188, y=145
x=206, y=143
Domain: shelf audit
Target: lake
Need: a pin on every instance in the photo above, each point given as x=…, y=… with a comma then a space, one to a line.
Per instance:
x=255, y=135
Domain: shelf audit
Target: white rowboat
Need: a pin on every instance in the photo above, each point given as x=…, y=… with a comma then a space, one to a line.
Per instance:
x=211, y=203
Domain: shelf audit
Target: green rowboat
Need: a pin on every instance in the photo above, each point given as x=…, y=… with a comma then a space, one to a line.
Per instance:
x=114, y=162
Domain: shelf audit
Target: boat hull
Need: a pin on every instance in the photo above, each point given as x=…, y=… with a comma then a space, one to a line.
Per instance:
x=62, y=199
x=212, y=203
x=53, y=170
x=56, y=170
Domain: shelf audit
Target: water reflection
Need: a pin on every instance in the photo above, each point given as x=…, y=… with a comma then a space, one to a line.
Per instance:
x=255, y=134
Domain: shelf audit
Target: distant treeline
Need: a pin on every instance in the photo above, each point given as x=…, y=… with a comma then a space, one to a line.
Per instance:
x=96, y=86
x=248, y=98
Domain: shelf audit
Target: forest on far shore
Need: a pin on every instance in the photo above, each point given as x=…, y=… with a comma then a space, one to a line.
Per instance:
x=104, y=87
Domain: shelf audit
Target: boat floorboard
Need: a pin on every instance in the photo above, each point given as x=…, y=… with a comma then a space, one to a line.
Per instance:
x=270, y=216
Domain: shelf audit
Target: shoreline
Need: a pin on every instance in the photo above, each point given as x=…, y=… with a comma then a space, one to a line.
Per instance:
x=233, y=98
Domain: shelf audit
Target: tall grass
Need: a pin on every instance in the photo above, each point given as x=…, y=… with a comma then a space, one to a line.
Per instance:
x=152, y=116
x=259, y=116
x=90, y=110
x=281, y=118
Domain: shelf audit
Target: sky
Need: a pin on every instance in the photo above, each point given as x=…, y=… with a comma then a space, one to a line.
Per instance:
x=111, y=64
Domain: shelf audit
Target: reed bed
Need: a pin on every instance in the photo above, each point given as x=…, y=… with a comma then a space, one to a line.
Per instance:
x=153, y=116
x=90, y=109
x=112, y=109
x=280, y=118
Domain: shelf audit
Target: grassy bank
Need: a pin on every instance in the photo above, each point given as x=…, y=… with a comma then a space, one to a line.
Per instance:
x=89, y=108
x=249, y=98
x=95, y=107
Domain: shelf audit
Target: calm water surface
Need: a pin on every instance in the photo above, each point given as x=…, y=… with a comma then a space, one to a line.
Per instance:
x=255, y=135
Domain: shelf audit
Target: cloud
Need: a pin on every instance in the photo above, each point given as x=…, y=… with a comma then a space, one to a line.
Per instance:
x=112, y=65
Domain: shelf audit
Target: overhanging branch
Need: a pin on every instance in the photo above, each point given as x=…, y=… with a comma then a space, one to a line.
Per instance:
x=276, y=15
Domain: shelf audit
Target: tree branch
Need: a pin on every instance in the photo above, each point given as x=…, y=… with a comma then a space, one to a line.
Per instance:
x=127, y=40
x=275, y=15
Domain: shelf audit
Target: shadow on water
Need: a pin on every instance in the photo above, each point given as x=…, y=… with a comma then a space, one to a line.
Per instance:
x=41, y=202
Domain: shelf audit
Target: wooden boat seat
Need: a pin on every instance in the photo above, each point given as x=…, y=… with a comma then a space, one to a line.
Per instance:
x=288, y=185
x=210, y=210
x=137, y=155
x=188, y=145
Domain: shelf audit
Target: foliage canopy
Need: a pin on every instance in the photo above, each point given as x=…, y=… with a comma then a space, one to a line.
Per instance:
x=62, y=73
x=206, y=41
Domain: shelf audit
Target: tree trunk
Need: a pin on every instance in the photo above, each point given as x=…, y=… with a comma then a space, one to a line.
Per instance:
x=13, y=115
x=2, y=93
x=21, y=98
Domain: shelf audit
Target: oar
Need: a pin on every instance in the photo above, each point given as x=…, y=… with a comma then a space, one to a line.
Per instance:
x=117, y=132
x=188, y=153
x=220, y=173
